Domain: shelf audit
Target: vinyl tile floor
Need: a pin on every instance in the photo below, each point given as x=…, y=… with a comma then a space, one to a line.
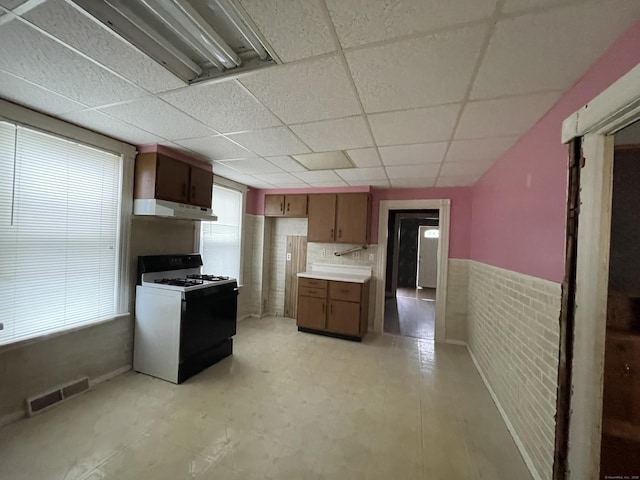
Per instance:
x=286, y=405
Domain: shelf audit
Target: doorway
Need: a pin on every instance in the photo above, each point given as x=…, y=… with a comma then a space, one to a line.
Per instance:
x=583, y=322
x=411, y=273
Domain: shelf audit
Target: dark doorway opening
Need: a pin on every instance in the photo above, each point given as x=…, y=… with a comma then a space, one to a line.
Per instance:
x=409, y=308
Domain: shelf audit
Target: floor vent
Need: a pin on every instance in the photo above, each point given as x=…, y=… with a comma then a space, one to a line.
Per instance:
x=47, y=400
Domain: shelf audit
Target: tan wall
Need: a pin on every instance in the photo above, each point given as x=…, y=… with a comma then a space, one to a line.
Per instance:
x=513, y=333
x=95, y=351
x=457, y=290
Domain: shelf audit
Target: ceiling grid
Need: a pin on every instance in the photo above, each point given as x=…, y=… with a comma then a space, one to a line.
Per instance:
x=418, y=93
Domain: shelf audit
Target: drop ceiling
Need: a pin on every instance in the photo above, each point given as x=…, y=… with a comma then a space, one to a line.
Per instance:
x=418, y=93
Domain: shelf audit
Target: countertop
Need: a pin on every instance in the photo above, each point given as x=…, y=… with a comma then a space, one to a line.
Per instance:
x=338, y=273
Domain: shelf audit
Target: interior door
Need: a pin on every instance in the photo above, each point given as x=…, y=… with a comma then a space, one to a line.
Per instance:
x=428, y=256
x=296, y=262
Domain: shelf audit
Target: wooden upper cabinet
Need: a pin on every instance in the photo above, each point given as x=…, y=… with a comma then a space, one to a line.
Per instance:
x=201, y=187
x=165, y=178
x=172, y=180
x=322, y=218
x=273, y=205
x=295, y=205
x=285, y=205
x=353, y=213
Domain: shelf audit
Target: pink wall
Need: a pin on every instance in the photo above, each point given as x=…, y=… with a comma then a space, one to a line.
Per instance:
x=519, y=204
x=175, y=154
x=459, y=243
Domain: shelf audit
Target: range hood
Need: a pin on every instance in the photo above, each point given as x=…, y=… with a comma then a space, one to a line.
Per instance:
x=164, y=208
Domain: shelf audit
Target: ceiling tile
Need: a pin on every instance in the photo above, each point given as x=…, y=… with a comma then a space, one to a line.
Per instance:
x=507, y=116
x=282, y=178
x=413, y=171
x=244, y=180
x=418, y=72
x=374, y=173
x=216, y=148
x=339, y=183
x=160, y=118
x=412, y=182
x=77, y=29
x=32, y=96
x=414, y=126
x=550, y=50
x=287, y=164
x=29, y=54
x=226, y=106
x=112, y=127
x=252, y=166
x=365, y=157
x=413, y=154
x=271, y=142
x=453, y=169
x=224, y=170
x=318, y=176
x=481, y=149
x=306, y=91
x=359, y=21
x=337, y=134
x=457, y=181
x=373, y=183
x=294, y=29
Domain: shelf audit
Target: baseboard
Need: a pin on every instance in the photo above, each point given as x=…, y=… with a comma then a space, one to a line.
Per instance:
x=451, y=341
x=15, y=416
x=503, y=414
x=108, y=375
x=12, y=417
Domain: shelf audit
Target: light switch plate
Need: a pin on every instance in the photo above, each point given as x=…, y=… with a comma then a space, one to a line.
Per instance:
x=323, y=252
x=372, y=257
x=288, y=257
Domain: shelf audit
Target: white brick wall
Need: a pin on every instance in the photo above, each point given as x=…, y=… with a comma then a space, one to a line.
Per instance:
x=457, y=288
x=513, y=332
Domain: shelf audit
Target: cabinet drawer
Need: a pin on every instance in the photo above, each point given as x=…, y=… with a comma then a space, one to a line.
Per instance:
x=312, y=292
x=312, y=283
x=349, y=292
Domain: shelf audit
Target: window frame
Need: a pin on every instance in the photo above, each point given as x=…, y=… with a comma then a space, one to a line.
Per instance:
x=52, y=126
x=226, y=183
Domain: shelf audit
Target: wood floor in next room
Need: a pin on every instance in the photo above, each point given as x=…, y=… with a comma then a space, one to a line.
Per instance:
x=412, y=313
x=287, y=405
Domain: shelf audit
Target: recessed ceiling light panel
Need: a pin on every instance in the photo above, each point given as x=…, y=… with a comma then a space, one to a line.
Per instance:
x=325, y=160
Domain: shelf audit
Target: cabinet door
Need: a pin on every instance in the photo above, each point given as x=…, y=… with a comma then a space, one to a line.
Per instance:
x=352, y=218
x=172, y=179
x=322, y=218
x=295, y=205
x=201, y=186
x=273, y=205
x=312, y=312
x=344, y=318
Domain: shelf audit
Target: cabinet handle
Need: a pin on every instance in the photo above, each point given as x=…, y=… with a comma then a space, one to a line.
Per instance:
x=288, y=205
x=339, y=233
x=344, y=290
x=332, y=233
x=332, y=309
x=626, y=369
x=312, y=291
x=281, y=207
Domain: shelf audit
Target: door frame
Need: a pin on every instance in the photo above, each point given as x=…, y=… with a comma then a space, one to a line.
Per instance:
x=444, y=209
x=615, y=108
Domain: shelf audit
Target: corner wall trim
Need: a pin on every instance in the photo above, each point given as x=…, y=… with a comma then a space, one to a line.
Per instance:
x=503, y=414
x=451, y=341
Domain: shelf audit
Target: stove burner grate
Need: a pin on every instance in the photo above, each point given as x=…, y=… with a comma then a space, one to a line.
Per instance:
x=210, y=278
x=179, y=282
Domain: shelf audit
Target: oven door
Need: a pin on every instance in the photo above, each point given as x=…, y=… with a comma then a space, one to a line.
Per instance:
x=208, y=318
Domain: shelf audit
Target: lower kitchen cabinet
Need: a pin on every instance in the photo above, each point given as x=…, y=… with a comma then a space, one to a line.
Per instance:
x=333, y=308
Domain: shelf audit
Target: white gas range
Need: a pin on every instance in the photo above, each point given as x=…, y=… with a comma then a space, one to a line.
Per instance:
x=184, y=319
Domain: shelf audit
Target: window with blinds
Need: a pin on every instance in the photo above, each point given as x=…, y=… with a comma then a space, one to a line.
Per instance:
x=220, y=241
x=59, y=238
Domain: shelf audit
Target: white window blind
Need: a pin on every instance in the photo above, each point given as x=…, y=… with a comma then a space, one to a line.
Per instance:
x=59, y=239
x=220, y=241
